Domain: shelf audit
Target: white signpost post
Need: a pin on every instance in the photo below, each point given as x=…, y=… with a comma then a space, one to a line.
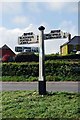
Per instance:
x=42, y=81
x=29, y=38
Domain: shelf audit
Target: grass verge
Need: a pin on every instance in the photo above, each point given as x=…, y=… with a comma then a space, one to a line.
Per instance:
x=30, y=79
x=28, y=104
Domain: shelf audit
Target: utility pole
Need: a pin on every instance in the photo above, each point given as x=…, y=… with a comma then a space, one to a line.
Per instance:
x=42, y=81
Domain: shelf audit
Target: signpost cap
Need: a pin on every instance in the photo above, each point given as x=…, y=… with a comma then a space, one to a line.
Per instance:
x=41, y=28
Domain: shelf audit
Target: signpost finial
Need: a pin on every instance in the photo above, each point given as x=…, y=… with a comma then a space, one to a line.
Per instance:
x=41, y=28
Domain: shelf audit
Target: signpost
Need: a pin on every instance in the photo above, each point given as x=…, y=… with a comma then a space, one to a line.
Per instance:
x=42, y=81
x=29, y=38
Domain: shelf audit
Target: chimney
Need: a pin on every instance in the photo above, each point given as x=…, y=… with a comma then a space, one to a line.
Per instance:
x=69, y=36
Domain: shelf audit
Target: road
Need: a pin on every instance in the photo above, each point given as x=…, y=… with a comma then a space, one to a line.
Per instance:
x=50, y=86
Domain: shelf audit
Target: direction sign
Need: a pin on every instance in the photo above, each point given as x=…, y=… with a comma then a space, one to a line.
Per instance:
x=27, y=38
x=30, y=38
x=26, y=49
x=55, y=34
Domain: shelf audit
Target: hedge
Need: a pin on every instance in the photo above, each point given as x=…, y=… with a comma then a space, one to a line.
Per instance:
x=19, y=69
x=30, y=57
x=59, y=57
x=26, y=57
x=52, y=68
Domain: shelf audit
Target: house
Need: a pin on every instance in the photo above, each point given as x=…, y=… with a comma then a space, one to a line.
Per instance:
x=5, y=50
x=72, y=46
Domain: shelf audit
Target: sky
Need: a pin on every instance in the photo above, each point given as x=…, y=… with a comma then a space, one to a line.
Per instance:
x=24, y=16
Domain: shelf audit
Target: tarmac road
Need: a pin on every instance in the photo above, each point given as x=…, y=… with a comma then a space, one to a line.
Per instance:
x=50, y=86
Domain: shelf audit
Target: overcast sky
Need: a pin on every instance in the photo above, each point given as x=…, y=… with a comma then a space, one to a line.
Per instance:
x=19, y=17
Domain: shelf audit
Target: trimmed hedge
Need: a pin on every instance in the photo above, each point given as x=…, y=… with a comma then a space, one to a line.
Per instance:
x=20, y=69
x=66, y=57
x=30, y=57
x=26, y=57
x=56, y=69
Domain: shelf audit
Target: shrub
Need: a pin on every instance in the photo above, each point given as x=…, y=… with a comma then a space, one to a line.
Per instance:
x=26, y=57
x=29, y=57
x=56, y=70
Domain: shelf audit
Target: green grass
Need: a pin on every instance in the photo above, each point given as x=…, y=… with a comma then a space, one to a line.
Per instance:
x=30, y=79
x=18, y=78
x=28, y=104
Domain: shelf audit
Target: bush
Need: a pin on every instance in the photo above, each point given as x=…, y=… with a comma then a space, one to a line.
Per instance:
x=26, y=57
x=54, y=70
x=66, y=57
x=29, y=57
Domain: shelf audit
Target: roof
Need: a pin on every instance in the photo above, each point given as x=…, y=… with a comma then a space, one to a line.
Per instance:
x=75, y=37
x=5, y=47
